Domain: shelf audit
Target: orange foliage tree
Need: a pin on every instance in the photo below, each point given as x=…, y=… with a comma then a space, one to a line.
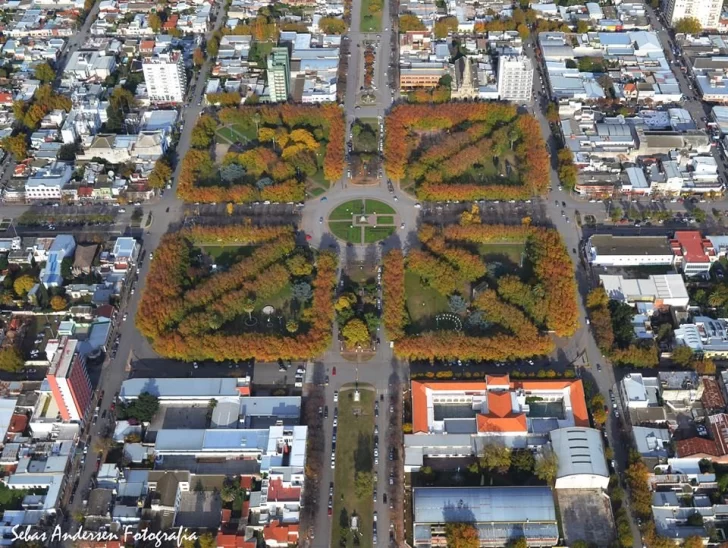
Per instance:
x=199, y=181
x=474, y=131
x=394, y=314
x=182, y=312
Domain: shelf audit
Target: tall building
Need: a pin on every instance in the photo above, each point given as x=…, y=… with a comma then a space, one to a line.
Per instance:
x=69, y=381
x=279, y=74
x=515, y=78
x=165, y=77
x=706, y=12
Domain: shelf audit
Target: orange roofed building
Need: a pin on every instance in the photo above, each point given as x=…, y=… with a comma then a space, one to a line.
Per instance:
x=455, y=419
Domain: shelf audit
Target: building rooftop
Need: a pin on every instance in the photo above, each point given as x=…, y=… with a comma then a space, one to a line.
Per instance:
x=607, y=244
x=579, y=451
x=180, y=388
x=483, y=504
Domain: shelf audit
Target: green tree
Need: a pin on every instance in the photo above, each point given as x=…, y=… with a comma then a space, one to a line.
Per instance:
x=142, y=409
x=462, y=535
x=547, y=466
x=11, y=359
x=23, y=284
x=66, y=266
x=356, y=333
x=213, y=46
x=523, y=460
x=363, y=484
x=688, y=25
x=45, y=73
x=249, y=306
x=495, y=457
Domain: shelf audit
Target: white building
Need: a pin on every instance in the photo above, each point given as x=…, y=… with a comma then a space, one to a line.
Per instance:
x=705, y=336
x=515, y=78
x=165, y=77
x=48, y=183
x=706, y=12
x=647, y=295
x=580, y=454
x=609, y=250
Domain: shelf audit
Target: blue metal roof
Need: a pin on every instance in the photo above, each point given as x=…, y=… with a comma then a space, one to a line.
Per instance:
x=484, y=504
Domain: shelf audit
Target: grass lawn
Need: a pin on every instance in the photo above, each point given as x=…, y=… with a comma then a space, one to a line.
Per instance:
x=375, y=206
x=235, y=133
x=318, y=178
x=346, y=210
x=317, y=191
x=370, y=23
x=342, y=230
x=510, y=251
x=11, y=499
x=226, y=255
x=417, y=296
x=372, y=234
x=354, y=453
x=385, y=219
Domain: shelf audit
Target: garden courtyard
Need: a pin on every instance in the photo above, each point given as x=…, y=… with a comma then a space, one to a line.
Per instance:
x=363, y=221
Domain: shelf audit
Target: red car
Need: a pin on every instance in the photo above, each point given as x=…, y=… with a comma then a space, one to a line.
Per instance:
x=333, y=371
x=331, y=511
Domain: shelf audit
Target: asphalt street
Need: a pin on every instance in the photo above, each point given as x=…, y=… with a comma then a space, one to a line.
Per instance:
x=166, y=211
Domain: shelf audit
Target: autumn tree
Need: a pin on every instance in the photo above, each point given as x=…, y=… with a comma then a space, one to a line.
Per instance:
x=462, y=535
x=11, y=359
x=44, y=72
x=23, y=284
x=58, y=302
x=154, y=22
x=688, y=25
x=682, y=356
x=637, y=480
x=599, y=414
x=298, y=265
x=356, y=333
x=332, y=25
x=161, y=174
x=16, y=145
x=409, y=21
x=445, y=26
x=198, y=58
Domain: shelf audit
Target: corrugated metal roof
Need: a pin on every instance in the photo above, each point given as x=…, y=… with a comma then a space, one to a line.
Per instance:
x=483, y=504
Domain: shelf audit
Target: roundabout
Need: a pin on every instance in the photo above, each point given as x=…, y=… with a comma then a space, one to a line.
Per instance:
x=362, y=221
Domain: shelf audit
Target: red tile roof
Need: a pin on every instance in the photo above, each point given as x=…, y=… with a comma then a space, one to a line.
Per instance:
x=497, y=401
x=712, y=397
x=246, y=482
x=171, y=22
x=233, y=541
x=6, y=98
x=696, y=446
x=690, y=245
x=280, y=533
x=18, y=423
x=277, y=492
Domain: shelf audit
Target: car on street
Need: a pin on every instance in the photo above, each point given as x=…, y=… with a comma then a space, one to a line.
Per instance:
x=599, y=367
x=336, y=396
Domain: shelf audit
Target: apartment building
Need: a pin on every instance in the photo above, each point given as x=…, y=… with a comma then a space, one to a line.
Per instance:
x=515, y=78
x=707, y=12
x=165, y=77
x=279, y=74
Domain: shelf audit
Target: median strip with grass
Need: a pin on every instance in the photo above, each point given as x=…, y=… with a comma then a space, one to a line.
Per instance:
x=353, y=488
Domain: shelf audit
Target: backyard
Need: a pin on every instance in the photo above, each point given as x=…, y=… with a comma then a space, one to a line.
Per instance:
x=354, y=454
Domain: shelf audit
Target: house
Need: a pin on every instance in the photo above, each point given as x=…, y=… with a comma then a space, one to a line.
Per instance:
x=694, y=255
x=63, y=247
x=84, y=259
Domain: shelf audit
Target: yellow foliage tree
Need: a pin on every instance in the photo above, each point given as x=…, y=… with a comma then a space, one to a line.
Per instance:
x=266, y=134
x=23, y=284
x=58, y=302
x=355, y=332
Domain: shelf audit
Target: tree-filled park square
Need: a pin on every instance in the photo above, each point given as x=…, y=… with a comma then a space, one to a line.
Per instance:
x=238, y=292
x=263, y=153
x=479, y=292
x=466, y=151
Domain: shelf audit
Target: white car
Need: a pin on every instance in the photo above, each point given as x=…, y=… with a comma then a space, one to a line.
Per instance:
x=151, y=256
x=125, y=317
x=336, y=396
